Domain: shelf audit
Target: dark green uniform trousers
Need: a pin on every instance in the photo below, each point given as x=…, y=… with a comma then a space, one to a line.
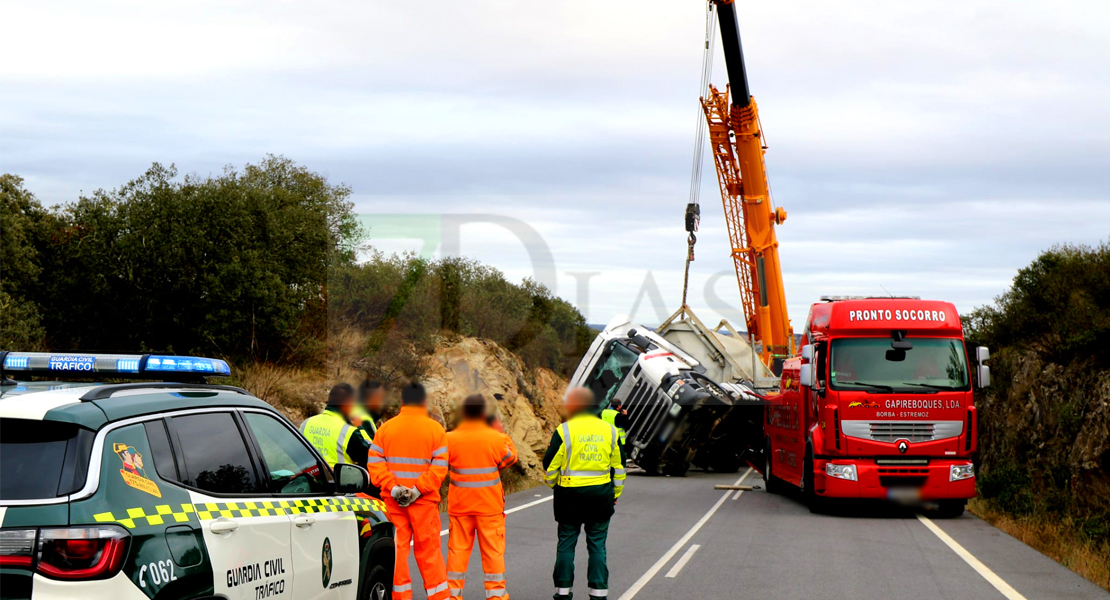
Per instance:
x=597, y=570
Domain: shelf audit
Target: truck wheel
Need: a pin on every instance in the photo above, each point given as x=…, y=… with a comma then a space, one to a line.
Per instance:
x=950, y=509
x=773, y=484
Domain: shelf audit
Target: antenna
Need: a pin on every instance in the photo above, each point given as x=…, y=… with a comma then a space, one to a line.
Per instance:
x=885, y=290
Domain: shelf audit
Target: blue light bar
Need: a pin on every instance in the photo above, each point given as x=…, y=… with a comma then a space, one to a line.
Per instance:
x=148, y=366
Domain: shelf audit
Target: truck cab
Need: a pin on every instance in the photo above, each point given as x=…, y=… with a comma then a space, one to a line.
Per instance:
x=878, y=404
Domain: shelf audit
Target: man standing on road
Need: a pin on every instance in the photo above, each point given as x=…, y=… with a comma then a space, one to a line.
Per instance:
x=408, y=462
x=476, y=501
x=618, y=418
x=332, y=433
x=585, y=467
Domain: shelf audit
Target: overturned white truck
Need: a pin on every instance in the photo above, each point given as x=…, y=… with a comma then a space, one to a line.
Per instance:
x=692, y=393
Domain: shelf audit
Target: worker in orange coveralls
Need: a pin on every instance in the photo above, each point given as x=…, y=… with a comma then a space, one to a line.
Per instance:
x=476, y=500
x=408, y=462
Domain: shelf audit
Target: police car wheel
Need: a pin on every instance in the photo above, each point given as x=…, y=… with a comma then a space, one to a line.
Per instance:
x=380, y=584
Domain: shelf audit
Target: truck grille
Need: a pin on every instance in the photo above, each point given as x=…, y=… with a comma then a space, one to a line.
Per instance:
x=912, y=431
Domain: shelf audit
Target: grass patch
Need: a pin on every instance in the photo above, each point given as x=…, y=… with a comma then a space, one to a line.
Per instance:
x=1058, y=538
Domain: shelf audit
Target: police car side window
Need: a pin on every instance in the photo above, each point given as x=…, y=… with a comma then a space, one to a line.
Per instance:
x=215, y=457
x=160, y=450
x=293, y=468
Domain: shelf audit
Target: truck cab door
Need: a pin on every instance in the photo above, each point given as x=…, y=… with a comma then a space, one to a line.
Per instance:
x=246, y=534
x=325, y=533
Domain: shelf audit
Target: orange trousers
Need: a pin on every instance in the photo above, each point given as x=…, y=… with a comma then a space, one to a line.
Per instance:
x=490, y=530
x=418, y=524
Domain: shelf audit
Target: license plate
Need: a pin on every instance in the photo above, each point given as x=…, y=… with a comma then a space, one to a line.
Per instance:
x=904, y=494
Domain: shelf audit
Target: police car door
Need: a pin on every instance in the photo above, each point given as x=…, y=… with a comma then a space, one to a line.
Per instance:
x=246, y=532
x=325, y=535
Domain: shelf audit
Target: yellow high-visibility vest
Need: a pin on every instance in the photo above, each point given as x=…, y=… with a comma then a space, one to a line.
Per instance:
x=329, y=433
x=589, y=455
x=609, y=415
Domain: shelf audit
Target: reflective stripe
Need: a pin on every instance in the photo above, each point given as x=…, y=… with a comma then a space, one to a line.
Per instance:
x=476, y=484
x=406, y=474
x=456, y=575
x=495, y=577
x=456, y=591
x=562, y=591
x=618, y=483
x=566, y=448
x=439, y=462
x=494, y=593
x=619, y=472
x=340, y=446
x=407, y=461
x=376, y=448
x=597, y=593
x=439, y=451
x=304, y=425
x=437, y=589
x=552, y=474
x=474, y=471
x=508, y=455
x=570, y=473
x=402, y=588
x=375, y=459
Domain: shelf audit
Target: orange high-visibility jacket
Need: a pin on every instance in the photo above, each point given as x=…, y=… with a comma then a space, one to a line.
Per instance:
x=409, y=449
x=477, y=453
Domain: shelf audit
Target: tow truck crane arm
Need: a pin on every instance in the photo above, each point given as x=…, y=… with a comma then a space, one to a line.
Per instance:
x=737, y=142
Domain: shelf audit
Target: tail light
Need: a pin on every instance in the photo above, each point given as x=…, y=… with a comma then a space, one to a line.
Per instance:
x=66, y=552
x=17, y=548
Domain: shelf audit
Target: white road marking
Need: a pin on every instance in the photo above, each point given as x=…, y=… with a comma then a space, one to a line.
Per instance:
x=682, y=561
x=666, y=558
x=991, y=577
x=512, y=510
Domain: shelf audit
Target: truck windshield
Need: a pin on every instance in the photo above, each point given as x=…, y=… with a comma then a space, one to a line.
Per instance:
x=865, y=364
x=610, y=372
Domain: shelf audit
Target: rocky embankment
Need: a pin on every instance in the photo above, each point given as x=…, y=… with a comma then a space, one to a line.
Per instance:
x=527, y=399
x=1045, y=436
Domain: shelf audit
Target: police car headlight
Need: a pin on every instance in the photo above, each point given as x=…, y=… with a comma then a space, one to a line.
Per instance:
x=960, y=472
x=841, y=471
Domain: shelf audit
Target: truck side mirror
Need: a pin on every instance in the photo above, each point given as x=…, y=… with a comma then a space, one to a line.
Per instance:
x=983, y=376
x=982, y=354
x=807, y=354
x=806, y=374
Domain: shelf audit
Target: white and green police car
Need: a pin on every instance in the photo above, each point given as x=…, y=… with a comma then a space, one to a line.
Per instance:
x=172, y=488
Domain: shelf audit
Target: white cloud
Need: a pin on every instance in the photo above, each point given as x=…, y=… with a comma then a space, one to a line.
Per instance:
x=927, y=149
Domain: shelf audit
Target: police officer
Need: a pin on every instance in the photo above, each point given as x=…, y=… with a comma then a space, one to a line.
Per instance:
x=332, y=433
x=618, y=418
x=585, y=467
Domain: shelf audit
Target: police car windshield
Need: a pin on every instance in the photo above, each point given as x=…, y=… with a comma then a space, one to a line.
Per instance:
x=933, y=364
x=42, y=459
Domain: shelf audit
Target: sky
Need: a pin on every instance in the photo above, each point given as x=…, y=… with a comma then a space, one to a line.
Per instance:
x=927, y=148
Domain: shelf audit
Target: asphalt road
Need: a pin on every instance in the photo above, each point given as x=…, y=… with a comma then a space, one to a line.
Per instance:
x=680, y=538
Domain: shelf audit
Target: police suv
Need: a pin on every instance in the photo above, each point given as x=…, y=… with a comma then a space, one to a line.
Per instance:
x=166, y=486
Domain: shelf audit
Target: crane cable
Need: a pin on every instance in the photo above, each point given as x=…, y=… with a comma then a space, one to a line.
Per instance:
x=699, y=135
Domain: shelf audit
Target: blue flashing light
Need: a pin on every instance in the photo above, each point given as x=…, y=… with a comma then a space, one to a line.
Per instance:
x=112, y=365
x=187, y=364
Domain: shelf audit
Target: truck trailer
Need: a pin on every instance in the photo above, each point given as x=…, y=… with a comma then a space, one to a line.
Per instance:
x=878, y=404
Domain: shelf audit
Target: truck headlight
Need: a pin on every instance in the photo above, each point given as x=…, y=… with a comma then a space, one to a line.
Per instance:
x=841, y=471
x=960, y=472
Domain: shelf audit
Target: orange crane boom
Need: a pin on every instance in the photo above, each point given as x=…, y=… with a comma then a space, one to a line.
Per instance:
x=737, y=142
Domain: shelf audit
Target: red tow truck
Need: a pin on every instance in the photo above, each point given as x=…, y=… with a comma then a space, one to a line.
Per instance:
x=878, y=404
